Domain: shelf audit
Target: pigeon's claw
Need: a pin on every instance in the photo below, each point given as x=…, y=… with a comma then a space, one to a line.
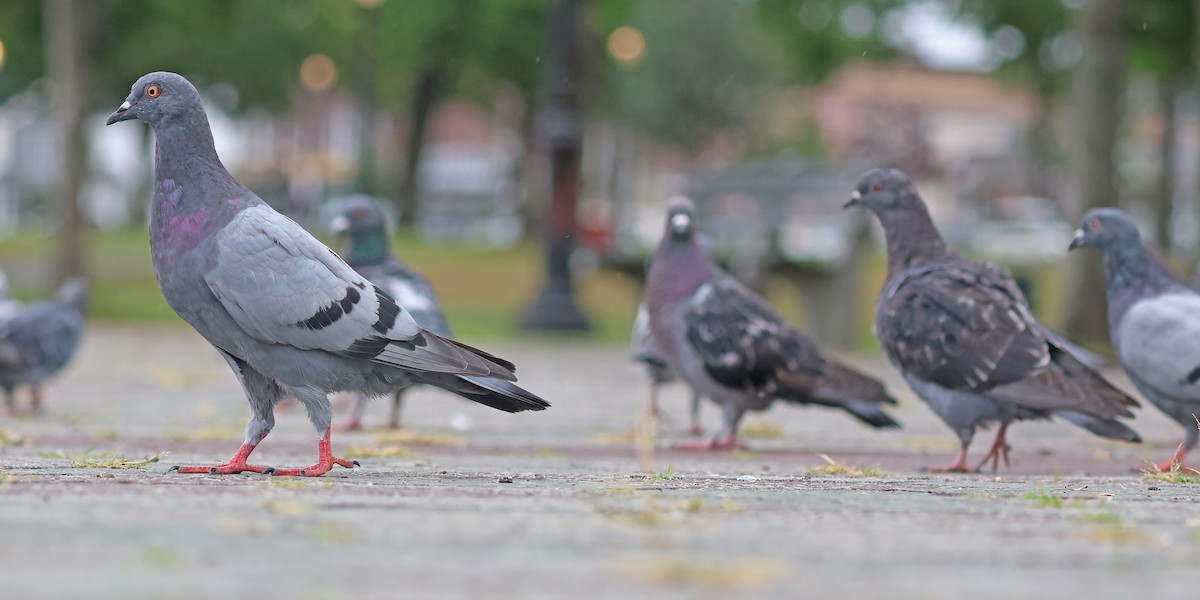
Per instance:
x=325, y=462
x=999, y=450
x=958, y=466
x=237, y=464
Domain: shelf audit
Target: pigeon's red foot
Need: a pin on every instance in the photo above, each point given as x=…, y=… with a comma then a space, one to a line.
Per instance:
x=1173, y=463
x=999, y=450
x=325, y=462
x=237, y=464
x=729, y=443
x=958, y=466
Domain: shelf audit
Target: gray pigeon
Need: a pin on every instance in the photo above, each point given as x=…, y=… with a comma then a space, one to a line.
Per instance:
x=1154, y=321
x=645, y=352
x=730, y=346
x=288, y=315
x=962, y=334
x=364, y=223
x=38, y=340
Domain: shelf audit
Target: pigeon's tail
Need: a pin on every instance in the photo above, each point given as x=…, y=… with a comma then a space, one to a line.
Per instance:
x=1108, y=428
x=857, y=394
x=496, y=393
x=871, y=414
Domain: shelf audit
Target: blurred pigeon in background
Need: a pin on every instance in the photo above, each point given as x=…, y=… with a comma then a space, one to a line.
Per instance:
x=1154, y=321
x=963, y=337
x=284, y=311
x=730, y=346
x=645, y=352
x=8, y=306
x=38, y=340
x=363, y=222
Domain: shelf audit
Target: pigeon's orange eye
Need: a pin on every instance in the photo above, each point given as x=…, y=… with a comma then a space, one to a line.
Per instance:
x=152, y=90
x=876, y=187
x=1094, y=224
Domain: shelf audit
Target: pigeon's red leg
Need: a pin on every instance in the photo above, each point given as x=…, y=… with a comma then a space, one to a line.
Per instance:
x=237, y=464
x=958, y=466
x=394, y=416
x=325, y=462
x=717, y=443
x=354, y=422
x=35, y=399
x=999, y=450
x=695, y=428
x=1176, y=460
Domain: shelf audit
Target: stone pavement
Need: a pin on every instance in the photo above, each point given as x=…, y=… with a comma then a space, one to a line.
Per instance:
x=432, y=512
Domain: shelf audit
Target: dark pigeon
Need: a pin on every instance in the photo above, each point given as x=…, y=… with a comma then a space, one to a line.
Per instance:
x=1154, y=321
x=288, y=315
x=962, y=334
x=730, y=346
x=363, y=222
x=38, y=340
x=659, y=373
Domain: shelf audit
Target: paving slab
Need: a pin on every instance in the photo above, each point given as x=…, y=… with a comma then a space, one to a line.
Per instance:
x=474, y=503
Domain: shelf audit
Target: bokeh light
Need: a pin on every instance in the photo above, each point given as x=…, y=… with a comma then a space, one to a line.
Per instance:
x=626, y=45
x=1, y=54
x=318, y=73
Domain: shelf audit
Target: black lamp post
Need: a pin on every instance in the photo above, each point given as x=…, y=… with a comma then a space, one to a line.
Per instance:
x=560, y=127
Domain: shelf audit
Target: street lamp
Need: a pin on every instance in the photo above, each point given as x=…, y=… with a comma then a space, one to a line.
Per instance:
x=559, y=125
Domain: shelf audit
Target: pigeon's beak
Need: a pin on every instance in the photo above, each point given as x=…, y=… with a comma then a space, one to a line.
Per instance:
x=340, y=224
x=1076, y=241
x=855, y=197
x=121, y=114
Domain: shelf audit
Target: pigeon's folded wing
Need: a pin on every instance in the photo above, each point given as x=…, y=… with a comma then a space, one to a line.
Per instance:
x=1156, y=341
x=282, y=286
x=745, y=344
x=959, y=327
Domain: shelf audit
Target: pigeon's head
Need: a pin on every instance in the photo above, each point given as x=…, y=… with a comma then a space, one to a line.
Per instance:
x=156, y=98
x=73, y=291
x=1105, y=228
x=883, y=190
x=359, y=214
x=681, y=218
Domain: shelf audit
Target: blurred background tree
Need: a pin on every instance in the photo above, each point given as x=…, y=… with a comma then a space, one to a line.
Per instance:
x=415, y=101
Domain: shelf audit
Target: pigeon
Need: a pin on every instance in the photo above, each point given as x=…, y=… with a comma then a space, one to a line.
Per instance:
x=730, y=346
x=645, y=352
x=38, y=340
x=1154, y=321
x=963, y=337
x=364, y=223
x=287, y=314
x=8, y=306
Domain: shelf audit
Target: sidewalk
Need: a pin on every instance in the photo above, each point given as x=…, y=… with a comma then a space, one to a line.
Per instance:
x=433, y=519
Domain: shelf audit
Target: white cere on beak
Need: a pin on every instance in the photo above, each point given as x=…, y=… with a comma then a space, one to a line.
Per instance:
x=340, y=224
x=681, y=223
x=1078, y=237
x=856, y=195
x=124, y=105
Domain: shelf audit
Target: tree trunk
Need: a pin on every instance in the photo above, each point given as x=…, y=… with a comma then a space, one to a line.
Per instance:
x=1164, y=189
x=1096, y=96
x=72, y=28
x=425, y=96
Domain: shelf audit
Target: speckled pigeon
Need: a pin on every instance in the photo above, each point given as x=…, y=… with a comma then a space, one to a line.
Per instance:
x=38, y=340
x=288, y=315
x=364, y=224
x=1154, y=321
x=647, y=353
x=730, y=346
x=963, y=336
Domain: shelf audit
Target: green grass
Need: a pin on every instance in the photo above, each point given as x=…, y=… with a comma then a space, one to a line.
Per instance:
x=484, y=291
